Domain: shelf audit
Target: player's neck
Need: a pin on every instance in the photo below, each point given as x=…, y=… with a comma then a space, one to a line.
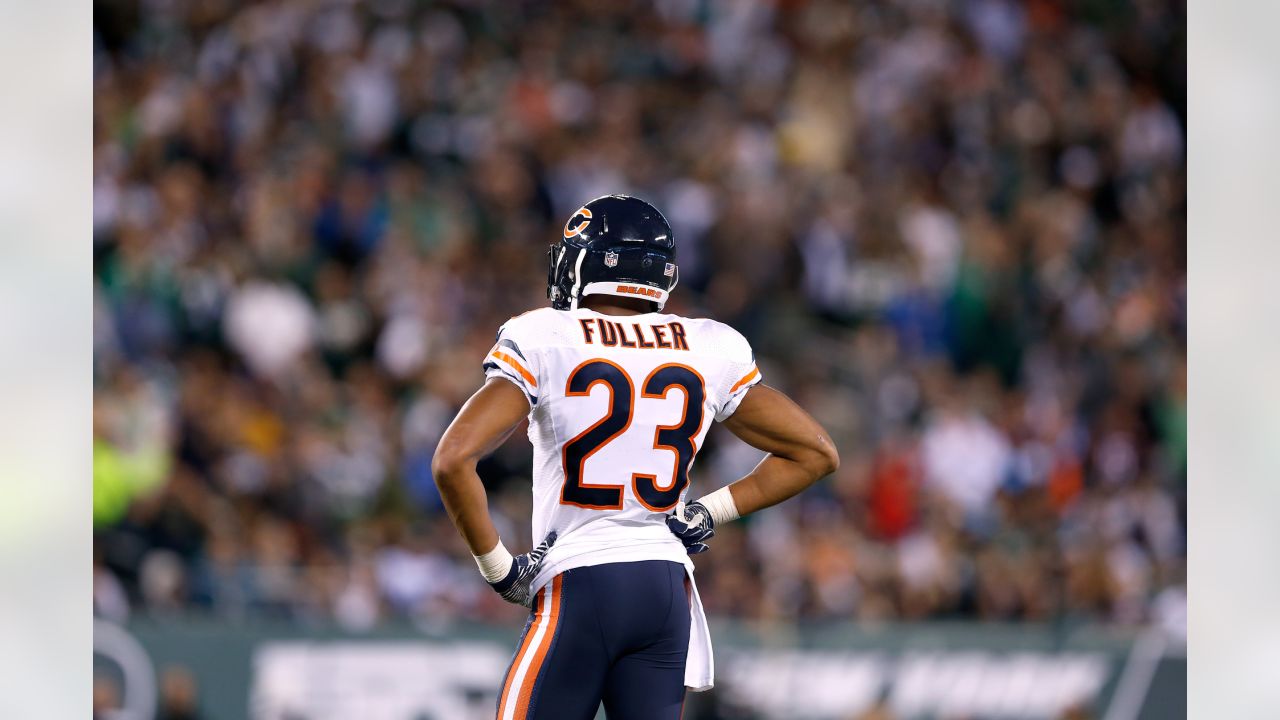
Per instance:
x=609, y=305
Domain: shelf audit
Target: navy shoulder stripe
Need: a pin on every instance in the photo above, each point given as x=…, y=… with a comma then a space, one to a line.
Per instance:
x=514, y=348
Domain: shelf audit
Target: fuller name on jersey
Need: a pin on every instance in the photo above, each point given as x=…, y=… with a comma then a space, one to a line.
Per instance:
x=618, y=408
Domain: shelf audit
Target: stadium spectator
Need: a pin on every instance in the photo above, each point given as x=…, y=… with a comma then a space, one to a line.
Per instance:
x=953, y=230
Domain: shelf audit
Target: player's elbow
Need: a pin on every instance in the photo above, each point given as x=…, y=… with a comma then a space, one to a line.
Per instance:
x=822, y=458
x=449, y=462
x=831, y=458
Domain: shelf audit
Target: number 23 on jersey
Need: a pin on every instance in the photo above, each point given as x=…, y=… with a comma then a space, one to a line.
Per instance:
x=657, y=494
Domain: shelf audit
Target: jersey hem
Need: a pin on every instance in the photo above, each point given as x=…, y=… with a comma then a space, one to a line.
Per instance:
x=629, y=553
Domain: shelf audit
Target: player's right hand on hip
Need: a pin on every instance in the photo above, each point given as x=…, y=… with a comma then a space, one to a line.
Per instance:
x=514, y=588
x=694, y=529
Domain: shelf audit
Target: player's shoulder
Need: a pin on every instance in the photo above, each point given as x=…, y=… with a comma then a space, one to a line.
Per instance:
x=705, y=324
x=715, y=337
x=533, y=318
x=537, y=326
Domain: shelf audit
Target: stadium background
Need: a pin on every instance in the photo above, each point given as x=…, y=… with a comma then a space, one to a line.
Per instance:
x=954, y=231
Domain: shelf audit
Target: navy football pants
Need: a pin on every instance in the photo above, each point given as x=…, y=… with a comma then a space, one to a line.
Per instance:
x=616, y=633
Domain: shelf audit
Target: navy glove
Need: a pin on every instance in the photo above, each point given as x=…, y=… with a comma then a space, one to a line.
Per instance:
x=694, y=529
x=514, y=588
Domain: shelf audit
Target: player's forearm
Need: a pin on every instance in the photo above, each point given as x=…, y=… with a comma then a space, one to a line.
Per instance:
x=466, y=503
x=800, y=452
x=776, y=479
x=488, y=417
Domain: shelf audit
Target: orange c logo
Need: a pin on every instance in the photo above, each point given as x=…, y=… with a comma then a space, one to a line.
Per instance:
x=577, y=229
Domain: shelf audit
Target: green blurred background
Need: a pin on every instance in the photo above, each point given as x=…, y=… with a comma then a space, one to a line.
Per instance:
x=954, y=231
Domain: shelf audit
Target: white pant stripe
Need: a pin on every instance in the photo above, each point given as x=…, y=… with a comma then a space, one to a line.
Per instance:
x=522, y=664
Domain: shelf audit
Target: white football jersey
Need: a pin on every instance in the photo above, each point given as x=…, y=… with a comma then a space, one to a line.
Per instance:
x=619, y=406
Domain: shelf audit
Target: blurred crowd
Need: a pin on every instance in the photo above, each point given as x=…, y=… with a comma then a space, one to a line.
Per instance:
x=952, y=230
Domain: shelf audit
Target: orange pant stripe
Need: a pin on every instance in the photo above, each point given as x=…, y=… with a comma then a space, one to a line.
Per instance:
x=531, y=677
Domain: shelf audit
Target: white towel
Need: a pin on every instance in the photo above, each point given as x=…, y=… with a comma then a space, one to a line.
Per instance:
x=700, y=666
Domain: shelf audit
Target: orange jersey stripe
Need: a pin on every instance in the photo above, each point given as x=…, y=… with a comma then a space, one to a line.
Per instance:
x=531, y=677
x=519, y=368
x=746, y=379
x=524, y=647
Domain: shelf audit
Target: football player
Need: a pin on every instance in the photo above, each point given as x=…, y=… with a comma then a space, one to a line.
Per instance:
x=619, y=397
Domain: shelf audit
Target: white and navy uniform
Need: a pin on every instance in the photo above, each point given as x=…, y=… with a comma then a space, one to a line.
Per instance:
x=618, y=408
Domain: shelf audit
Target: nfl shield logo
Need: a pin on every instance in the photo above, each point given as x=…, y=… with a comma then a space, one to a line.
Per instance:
x=611, y=259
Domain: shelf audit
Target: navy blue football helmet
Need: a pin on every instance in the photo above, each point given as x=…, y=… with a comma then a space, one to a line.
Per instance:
x=613, y=245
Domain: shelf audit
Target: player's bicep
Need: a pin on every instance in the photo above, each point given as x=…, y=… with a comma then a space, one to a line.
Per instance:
x=484, y=422
x=770, y=421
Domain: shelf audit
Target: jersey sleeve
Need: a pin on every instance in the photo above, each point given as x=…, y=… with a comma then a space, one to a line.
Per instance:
x=740, y=373
x=514, y=357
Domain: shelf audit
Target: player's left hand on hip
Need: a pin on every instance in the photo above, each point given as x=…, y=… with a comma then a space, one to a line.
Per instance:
x=514, y=588
x=694, y=528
